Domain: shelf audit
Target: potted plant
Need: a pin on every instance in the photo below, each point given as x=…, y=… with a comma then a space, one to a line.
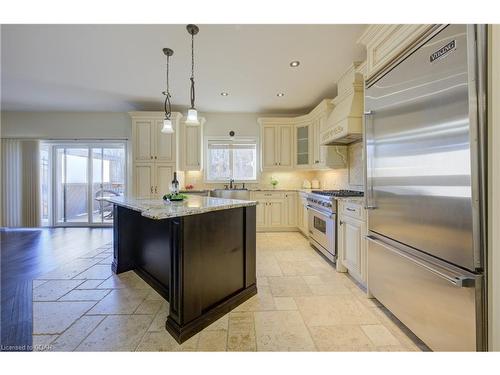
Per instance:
x=274, y=182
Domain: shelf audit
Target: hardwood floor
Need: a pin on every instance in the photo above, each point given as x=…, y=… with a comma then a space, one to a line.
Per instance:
x=27, y=254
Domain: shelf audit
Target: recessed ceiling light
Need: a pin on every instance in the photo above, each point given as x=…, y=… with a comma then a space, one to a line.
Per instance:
x=295, y=63
x=224, y=93
x=280, y=94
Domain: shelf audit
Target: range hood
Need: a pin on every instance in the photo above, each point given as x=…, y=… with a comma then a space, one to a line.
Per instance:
x=345, y=123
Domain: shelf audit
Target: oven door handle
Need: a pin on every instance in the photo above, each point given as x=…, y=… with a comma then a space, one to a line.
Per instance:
x=328, y=215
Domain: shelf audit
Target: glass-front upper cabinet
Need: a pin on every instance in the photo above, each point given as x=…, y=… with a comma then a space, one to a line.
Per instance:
x=303, y=149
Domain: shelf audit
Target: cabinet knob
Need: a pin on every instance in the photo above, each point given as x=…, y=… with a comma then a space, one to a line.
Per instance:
x=156, y=157
x=151, y=157
x=151, y=190
x=341, y=222
x=156, y=189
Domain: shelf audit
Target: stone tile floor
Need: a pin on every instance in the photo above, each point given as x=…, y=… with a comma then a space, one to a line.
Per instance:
x=303, y=304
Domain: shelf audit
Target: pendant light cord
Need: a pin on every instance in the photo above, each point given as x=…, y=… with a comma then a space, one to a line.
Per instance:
x=168, y=111
x=192, y=71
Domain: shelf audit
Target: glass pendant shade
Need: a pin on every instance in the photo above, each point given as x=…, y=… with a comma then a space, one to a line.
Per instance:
x=167, y=126
x=192, y=117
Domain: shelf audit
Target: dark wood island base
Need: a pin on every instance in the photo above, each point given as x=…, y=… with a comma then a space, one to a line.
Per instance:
x=203, y=264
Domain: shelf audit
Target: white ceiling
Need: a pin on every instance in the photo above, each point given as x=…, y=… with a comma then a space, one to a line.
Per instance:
x=122, y=67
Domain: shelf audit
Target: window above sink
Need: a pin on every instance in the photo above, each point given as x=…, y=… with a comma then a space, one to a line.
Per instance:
x=230, y=159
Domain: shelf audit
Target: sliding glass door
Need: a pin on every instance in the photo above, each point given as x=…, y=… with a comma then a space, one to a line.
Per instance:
x=83, y=176
x=108, y=180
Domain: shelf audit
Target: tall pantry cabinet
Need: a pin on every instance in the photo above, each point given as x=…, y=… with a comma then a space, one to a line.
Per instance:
x=154, y=154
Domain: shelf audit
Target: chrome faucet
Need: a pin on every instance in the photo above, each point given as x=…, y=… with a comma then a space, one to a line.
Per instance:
x=231, y=181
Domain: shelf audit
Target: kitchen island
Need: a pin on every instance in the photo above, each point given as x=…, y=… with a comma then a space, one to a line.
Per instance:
x=199, y=254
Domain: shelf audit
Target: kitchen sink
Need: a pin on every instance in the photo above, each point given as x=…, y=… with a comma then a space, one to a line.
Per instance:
x=242, y=194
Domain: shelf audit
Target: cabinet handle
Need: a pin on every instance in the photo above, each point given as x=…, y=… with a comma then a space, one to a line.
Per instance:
x=341, y=222
x=156, y=189
x=350, y=209
x=151, y=190
x=156, y=157
x=151, y=157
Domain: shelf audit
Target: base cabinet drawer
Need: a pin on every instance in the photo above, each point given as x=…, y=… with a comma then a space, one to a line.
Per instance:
x=354, y=210
x=426, y=297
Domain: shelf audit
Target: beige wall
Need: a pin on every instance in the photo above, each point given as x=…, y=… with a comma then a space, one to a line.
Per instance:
x=220, y=124
x=66, y=125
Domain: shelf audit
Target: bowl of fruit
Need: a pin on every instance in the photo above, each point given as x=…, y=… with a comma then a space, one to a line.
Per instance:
x=174, y=197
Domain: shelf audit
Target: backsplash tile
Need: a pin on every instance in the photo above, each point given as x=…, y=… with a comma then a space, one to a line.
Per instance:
x=346, y=178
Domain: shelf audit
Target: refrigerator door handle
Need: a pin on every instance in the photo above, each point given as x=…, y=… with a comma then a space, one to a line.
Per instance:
x=368, y=168
x=460, y=281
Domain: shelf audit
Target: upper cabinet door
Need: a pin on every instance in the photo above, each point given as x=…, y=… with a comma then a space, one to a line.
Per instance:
x=164, y=145
x=269, y=147
x=316, y=144
x=303, y=145
x=285, y=159
x=192, y=151
x=144, y=149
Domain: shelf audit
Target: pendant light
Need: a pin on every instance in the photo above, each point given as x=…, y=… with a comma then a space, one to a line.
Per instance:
x=167, y=121
x=192, y=115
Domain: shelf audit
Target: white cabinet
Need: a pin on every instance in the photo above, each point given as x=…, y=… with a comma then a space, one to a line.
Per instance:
x=302, y=214
x=143, y=136
x=165, y=147
x=291, y=209
x=143, y=180
x=152, y=180
x=164, y=174
x=351, y=241
x=191, y=146
x=260, y=213
x=150, y=144
x=318, y=150
x=276, y=211
x=154, y=154
x=285, y=146
x=269, y=141
x=385, y=42
x=295, y=142
x=303, y=144
x=277, y=139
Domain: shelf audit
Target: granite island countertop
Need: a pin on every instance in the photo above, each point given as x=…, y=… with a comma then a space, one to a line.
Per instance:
x=158, y=209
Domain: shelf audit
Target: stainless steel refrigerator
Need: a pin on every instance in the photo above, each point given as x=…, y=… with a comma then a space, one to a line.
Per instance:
x=425, y=172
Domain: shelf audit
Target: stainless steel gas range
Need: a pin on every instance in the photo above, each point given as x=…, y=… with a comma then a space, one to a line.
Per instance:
x=322, y=209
